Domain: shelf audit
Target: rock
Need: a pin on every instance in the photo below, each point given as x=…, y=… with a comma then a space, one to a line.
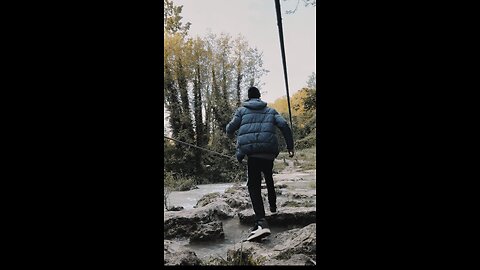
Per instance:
x=292, y=247
x=282, y=185
x=208, y=231
x=175, y=208
x=257, y=253
x=236, y=188
x=276, y=186
x=296, y=259
x=219, y=210
x=207, y=198
x=296, y=241
x=186, y=223
x=237, y=191
x=299, y=196
x=299, y=216
x=214, y=261
x=174, y=254
x=235, y=197
x=239, y=203
x=300, y=203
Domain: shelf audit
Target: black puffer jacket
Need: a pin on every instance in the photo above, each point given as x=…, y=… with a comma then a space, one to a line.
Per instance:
x=256, y=124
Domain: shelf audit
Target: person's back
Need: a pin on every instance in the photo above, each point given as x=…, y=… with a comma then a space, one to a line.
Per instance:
x=256, y=124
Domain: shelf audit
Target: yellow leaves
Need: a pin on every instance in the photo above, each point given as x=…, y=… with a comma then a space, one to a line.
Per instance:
x=296, y=105
x=280, y=105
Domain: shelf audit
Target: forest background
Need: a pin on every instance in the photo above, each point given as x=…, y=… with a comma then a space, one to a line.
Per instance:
x=205, y=79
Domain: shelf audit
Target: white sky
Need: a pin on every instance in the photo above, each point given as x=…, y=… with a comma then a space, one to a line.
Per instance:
x=256, y=20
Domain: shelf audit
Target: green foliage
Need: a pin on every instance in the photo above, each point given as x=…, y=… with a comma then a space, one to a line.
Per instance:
x=307, y=142
x=303, y=108
x=176, y=182
x=186, y=183
x=168, y=183
x=241, y=257
x=235, y=257
x=304, y=159
x=168, y=180
x=309, y=166
x=308, y=158
x=172, y=19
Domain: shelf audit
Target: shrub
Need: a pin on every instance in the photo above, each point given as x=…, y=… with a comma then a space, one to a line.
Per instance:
x=307, y=142
x=185, y=184
x=168, y=183
x=235, y=257
x=175, y=182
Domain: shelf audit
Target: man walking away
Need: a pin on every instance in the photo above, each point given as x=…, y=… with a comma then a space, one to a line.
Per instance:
x=256, y=124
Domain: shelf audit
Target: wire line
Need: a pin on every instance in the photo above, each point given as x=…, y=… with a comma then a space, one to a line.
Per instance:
x=191, y=145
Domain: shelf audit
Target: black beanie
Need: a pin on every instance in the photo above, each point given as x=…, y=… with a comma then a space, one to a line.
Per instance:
x=253, y=92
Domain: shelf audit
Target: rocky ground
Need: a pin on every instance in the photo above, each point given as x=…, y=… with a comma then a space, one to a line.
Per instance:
x=296, y=201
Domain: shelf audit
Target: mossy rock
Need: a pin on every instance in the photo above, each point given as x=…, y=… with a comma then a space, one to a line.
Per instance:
x=298, y=204
x=208, y=198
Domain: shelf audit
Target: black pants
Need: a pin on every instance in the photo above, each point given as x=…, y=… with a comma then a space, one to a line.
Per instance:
x=255, y=167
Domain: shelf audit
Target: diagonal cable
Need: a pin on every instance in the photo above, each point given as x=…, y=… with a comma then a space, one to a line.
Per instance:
x=205, y=149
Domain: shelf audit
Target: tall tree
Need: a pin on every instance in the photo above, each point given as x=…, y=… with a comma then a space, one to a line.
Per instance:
x=240, y=46
x=172, y=20
x=306, y=2
x=187, y=127
x=310, y=102
x=172, y=102
x=203, y=82
x=199, y=59
x=254, y=69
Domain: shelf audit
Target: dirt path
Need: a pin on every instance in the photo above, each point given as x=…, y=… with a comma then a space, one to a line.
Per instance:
x=292, y=172
x=297, y=181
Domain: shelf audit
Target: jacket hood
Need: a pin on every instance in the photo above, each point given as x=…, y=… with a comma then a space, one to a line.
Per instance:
x=254, y=104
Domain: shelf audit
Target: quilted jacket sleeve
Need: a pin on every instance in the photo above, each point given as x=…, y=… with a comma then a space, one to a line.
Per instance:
x=234, y=124
x=282, y=124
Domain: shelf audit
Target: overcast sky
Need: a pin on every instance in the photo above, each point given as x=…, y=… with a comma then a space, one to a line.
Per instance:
x=256, y=21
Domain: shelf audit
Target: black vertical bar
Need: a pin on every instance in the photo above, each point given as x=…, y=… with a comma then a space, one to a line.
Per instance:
x=284, y=60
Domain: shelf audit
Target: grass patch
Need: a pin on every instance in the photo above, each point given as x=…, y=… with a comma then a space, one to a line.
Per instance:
x=307, y=158
x=309, y=166
x=173, y=182
x=304, y=159
x=234, y=257
x=177, y=182
x=279, y=166
x=307, y=142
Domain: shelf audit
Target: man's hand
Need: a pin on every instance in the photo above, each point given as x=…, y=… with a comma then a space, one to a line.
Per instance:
x=291, y=153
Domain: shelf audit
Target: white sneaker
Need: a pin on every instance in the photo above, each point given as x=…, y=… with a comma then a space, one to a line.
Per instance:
x=258, y=232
